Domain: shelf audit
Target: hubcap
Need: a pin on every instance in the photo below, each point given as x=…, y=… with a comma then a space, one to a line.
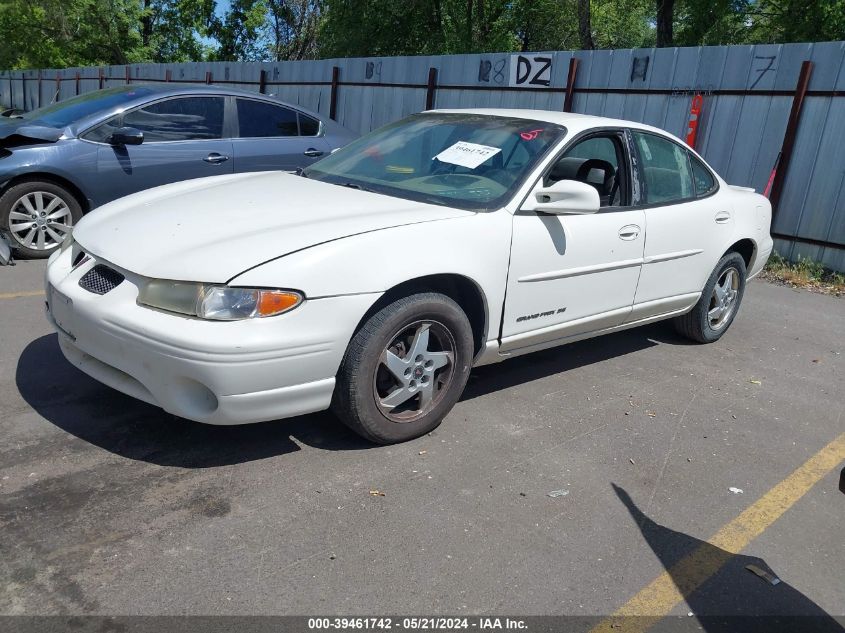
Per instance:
x=414, y=371
x=40, y=220
x=723, y=299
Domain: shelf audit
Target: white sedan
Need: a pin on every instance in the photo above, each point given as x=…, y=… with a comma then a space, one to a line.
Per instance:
x=374, y=281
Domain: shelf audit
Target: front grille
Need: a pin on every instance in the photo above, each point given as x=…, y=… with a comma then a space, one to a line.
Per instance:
x=101, y=279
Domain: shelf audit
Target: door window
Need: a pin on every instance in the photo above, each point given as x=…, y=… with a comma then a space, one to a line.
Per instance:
x=308, y=126
x=180, y=119
x=704, y=181
x=665, y=169
x=597, y=161
x=257, y=119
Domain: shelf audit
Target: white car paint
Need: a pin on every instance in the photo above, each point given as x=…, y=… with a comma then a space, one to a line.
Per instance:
x=343, y=249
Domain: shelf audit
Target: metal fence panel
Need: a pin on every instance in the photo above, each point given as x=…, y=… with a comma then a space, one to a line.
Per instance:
x=747, y=90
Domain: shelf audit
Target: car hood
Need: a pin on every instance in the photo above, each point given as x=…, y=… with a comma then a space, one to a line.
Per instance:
x=213, y=229
x=17, y=130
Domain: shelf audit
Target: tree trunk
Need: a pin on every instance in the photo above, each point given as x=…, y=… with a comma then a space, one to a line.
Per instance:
x=665, y=16
x=147, y=23
x=469, y=27
x=585, y=27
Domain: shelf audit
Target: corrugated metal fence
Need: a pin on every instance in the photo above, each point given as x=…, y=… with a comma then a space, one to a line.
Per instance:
x=749, y=98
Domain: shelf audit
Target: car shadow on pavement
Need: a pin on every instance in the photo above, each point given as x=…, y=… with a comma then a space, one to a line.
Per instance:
x=87, y=409
x=82, y=406
x=555, y=360
x=723, y=595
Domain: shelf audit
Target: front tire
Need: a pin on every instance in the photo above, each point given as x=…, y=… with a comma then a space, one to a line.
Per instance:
x=404, y=369
x=720, y=300
x=37, y=215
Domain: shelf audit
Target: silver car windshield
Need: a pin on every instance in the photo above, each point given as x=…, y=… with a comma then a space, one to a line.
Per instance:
x=468, y=161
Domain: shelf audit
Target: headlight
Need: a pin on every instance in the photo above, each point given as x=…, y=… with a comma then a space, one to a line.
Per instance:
x=218, y=303
x=223, y=303
x=173, y=296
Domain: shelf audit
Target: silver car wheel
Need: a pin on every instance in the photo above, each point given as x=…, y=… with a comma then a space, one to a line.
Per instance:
x=414, y=371
x=723, y=299
x=40, y=220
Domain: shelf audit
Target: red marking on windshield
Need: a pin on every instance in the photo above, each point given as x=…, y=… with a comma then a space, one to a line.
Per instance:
x=531, y=135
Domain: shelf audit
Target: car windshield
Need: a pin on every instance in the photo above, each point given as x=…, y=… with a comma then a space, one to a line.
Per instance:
x=469, y=161
x=64, y=113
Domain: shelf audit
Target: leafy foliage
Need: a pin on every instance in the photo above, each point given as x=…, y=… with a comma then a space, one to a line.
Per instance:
x=56, y=33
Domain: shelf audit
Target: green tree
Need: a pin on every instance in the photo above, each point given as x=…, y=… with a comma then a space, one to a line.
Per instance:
x=58, y=33
x=51, y=33
x=796, y=20
x=171, y=30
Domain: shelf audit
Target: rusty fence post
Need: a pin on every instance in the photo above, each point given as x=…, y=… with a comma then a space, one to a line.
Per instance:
x=128, y=75
x=262, y=81
x=39, y=89
x=58, y=87
x=431, y=89
x=102, y=78
x=790, y=134
x=77, y=78
x=23, y=89
x=335, y=84
x=208, y=77
x=570, y=84
x=168, y=75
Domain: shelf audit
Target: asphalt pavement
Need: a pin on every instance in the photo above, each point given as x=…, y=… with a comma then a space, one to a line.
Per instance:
x=564, y=482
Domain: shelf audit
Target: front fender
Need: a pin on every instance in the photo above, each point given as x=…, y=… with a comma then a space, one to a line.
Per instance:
x=476, y=247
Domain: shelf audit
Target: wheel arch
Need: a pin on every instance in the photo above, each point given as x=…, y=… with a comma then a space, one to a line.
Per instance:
x=461, y=289
x=747, y=248
x=55, y=179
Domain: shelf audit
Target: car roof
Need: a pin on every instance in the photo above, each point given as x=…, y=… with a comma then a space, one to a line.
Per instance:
x=574, y=123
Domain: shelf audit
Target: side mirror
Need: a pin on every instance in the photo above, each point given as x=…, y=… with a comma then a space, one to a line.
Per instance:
x=127, y=136
x=564, y=197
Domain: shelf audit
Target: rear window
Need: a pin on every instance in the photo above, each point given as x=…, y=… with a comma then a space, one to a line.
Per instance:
x=308, y=126
x=257, y=119
x=665, y=168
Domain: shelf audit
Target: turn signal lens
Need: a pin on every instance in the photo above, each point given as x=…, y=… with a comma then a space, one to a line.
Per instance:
x=223, y=303
x=272, y=302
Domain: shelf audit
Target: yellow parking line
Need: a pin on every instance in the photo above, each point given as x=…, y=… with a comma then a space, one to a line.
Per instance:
x=23, y=293
x=657, y=599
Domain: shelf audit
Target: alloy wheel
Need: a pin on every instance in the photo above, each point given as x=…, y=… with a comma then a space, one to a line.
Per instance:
x=723, y=299
x=414, y=371
x=40, y=220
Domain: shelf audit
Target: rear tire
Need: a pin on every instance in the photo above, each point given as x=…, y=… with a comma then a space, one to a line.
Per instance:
x=37, y=215
x=719, y=302
x=404, y=369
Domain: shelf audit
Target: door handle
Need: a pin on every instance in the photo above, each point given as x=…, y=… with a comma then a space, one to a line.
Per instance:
x=629, y=232
x=723, y=217
x=313, y=152
x=215, y=159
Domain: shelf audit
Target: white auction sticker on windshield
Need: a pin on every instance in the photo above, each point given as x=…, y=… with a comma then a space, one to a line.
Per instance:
x=465, y=154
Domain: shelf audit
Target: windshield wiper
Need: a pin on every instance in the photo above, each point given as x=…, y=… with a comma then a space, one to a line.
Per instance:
x=354, y=185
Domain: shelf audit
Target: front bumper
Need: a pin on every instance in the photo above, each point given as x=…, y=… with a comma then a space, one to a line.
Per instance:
x=215, y=372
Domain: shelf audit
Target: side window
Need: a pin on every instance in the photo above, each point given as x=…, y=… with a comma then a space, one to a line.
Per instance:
x=308, y=126
x=597, y=161
x=257, y=119
x=704, y=181
x=181, y=119
x=665, y=169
